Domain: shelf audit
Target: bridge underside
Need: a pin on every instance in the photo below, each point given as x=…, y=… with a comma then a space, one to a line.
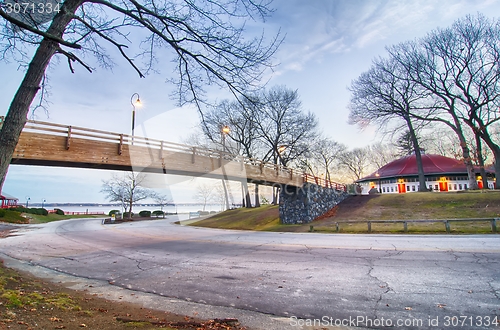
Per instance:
x=67, y=151
x=129, y=168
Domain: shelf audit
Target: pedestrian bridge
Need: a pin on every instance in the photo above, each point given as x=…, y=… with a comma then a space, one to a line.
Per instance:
x=49, y=144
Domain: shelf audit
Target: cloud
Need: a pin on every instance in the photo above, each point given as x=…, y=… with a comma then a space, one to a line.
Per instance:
x=317, y=30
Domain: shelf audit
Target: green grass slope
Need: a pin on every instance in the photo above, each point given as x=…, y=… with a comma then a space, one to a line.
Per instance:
x=265, y=217
x=414, y=206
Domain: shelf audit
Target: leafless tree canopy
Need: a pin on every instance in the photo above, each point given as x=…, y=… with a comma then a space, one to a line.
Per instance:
x=204, y=38
x=386, y=93
x=453, y=76
x=205, y=194
x=270, y=125
x=127, y=189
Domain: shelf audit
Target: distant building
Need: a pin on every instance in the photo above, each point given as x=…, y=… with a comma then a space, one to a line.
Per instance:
x=441, y=174
x=7, y=201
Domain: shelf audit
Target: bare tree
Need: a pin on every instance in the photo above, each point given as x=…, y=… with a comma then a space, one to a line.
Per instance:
x=441, y=140
x=460, y=67
x=240, y=137
x=469, y=50
x=284, y=128
x=204, y=194
x=382, y=153
x=269, y=125
x=220, y=196
x=324, y=156
x=386, y=93
x=239, y=117
x=127, y=189
x=356, y=162
x=205, y=38
x=161, y=200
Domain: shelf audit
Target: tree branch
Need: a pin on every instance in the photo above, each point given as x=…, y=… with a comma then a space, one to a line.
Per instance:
x=38, y=32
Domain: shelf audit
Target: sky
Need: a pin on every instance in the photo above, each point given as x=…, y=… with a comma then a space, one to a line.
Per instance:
x=328, y=43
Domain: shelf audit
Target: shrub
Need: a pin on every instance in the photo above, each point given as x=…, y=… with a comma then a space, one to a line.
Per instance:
x=59, y=211
x=20, y=209
x=145, y=213
x=113, y=212
x=38, y=211
x=157, y=213
x=126, y=215
x=2, y=213
x=34, y=210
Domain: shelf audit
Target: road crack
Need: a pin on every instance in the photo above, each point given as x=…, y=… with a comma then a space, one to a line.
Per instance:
x=383, y=285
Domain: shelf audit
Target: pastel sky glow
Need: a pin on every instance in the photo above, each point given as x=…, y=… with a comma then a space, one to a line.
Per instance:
x=328, y=44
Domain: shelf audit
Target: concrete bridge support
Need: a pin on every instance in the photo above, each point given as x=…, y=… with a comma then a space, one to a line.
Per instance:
x=304, y=204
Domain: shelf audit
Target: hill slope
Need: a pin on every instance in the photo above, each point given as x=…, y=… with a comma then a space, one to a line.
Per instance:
x=432, y=206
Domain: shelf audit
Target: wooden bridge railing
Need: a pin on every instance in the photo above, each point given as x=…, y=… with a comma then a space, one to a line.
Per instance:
x=71, y=132
x=324, y=182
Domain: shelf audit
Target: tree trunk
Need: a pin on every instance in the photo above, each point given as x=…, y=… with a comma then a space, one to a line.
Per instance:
x=465, y=152
x=495, y=148
x=418, y=156
x=226, y=195
x=243, y=204
x=20, y=105
x=480, y=160
x=497, y=168
x=257, y=197
x=130, y=209
x=246, y=195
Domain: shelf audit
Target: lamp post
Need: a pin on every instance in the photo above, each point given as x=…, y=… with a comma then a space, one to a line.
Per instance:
x=224, y=131
x=135, y=103
x=281, y=150
x=378, y=176
x=28, y=201
x=43, y=202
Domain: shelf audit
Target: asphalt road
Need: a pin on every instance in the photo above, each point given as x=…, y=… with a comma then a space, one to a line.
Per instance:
x=410, y=282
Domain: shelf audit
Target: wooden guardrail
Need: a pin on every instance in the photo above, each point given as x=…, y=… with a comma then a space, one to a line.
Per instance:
x=70, y=132
x=447, y=223
x=323, y=182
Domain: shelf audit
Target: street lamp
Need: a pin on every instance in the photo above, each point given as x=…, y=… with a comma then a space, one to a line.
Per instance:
x=28, y=201
x=135, y=103
x=225, y=131
x=43, y=202
x=281, y=150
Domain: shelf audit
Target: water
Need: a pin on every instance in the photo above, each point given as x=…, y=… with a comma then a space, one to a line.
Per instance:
x=181, y=209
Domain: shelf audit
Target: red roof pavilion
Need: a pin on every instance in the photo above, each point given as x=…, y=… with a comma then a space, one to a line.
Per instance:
x=407, y=166
x=7, y=201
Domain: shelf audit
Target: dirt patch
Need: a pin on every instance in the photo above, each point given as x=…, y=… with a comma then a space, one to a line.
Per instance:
x=351, y=208
x=30, y=303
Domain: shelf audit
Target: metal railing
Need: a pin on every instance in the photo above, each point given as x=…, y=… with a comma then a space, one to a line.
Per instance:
x=124, y=139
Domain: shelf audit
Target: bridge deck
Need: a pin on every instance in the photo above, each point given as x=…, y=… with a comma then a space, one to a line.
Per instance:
x=49, y=144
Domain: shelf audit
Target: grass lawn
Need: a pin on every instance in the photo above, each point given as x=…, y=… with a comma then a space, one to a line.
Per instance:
x=54, y=217
x=16, y=217
x=413, y=206
x=263, y=218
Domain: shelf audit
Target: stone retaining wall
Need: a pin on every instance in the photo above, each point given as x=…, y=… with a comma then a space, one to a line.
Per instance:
x=303, y=205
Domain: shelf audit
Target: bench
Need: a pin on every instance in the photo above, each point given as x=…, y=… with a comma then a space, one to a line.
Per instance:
x=194, y=215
